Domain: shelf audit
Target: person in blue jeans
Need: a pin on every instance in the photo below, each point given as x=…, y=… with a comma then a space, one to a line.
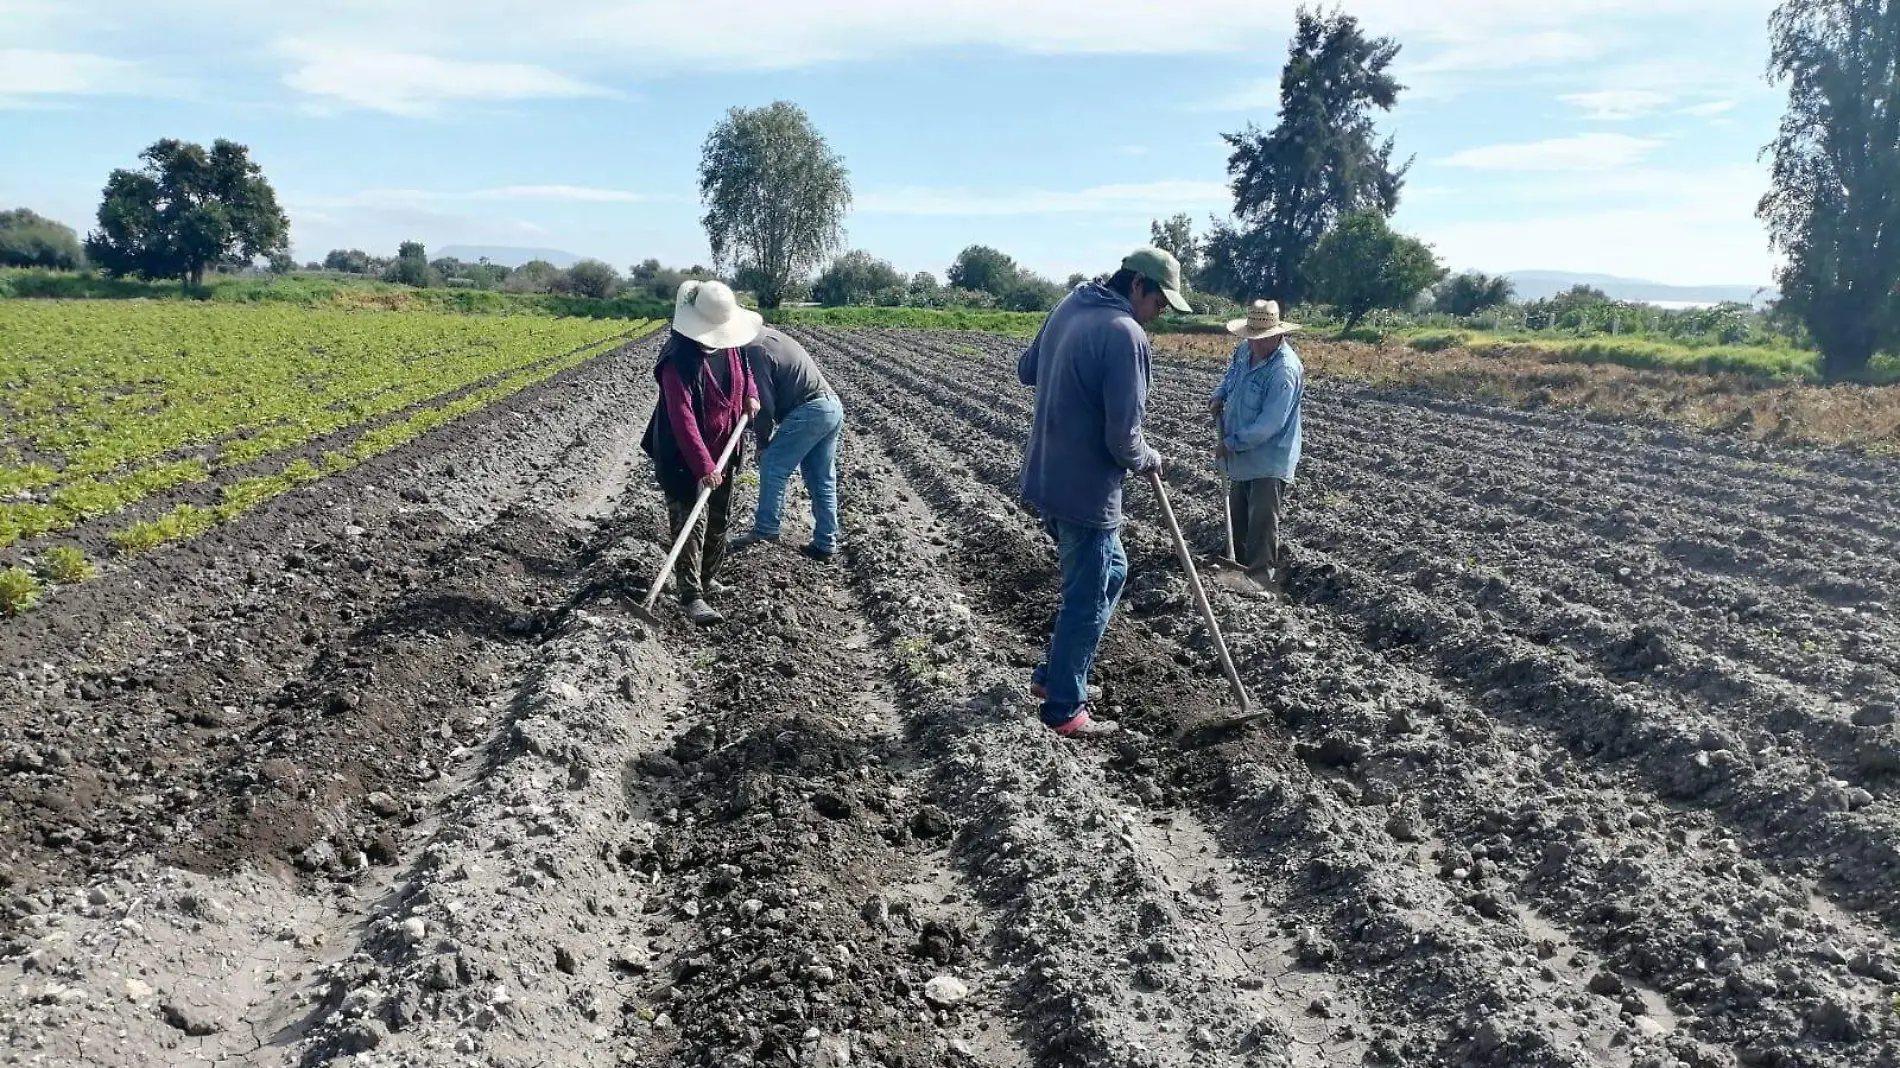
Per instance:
x=1090, y=368
x=798, y=426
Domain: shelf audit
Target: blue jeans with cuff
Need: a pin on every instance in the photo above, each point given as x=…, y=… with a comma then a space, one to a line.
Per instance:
x=807, y=442
x=1094, y=569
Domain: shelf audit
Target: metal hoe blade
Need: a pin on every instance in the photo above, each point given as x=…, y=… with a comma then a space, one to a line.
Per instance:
x=644, y=609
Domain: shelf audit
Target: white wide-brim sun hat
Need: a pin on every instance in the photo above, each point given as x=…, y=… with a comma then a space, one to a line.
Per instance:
x=708, y=313
x=1262, y=321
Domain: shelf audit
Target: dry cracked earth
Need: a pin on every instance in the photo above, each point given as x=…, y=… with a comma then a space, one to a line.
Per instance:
x=1581, y=752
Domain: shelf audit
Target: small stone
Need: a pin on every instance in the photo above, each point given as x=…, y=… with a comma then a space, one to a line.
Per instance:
x=190, y=1019
x=414, y=930
x=566, y=691
x=823, y=974
x=945, y=991
x=834, y=1051
x=138, y=990
x=930, y=822
x=661, y=766
x=831, y=806
x=383, y=805
x=1607, y=984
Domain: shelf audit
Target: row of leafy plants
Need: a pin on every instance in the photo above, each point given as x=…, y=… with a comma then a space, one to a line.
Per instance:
x=21, y=588
x=107, y=405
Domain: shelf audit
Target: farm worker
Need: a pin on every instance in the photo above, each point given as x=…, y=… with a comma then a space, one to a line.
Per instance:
x=1090, y=367
x=798, y=427
x=705, y=386
x=1257, y=407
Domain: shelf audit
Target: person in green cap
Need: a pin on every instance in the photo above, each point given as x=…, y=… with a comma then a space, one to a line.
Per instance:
x=1090, y=368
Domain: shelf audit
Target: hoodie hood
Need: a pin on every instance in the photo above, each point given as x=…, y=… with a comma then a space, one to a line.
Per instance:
x=1097, y=295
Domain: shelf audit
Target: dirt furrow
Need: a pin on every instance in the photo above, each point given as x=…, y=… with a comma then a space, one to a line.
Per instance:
x=1805, y=642
x=1423, y=552
x=1383, y=932
x=1754, y=908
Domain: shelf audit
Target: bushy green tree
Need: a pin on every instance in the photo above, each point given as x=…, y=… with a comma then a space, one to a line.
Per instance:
x=1363, y=265
x=857, y=277
x=282, y=263
x=186, y=210
x=1323, y=160
x=984, y=269
x=349, y=261
x=775, y=196
x=28, y=239
x=591, y=278
x=411, y=267
x=534, y=276
x=1472, y=292
x=1834, y=207
x=1176, y=235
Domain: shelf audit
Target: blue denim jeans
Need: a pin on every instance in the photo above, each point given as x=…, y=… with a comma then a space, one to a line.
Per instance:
x=807, y=442
x=1094, y=569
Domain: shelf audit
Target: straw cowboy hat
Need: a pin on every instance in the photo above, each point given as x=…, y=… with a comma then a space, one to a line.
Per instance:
x=1262, y=321
x=708, y=313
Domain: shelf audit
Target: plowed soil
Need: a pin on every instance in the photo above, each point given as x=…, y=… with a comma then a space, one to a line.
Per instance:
x=1581, y=752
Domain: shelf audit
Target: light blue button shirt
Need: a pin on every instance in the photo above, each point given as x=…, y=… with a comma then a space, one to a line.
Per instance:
x=1261, y=421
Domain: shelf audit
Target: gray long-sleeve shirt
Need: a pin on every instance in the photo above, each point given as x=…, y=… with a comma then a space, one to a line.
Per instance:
x=787, y=377
x=1090, y=367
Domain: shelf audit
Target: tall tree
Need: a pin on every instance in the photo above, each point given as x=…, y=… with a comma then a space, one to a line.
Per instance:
x=984, y=270
x=775, y=196
x=411, y=267
x=1472, y=292
x=29, y=239
x=591, y=278
x=185, y=210
x=1363, y=265
x=857, y=277
x=1323, y=161
x=1176, y=235
x=1834, y=208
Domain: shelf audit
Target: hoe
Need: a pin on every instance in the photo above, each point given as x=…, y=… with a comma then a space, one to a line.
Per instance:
x=644, y=610
x=1248, y=710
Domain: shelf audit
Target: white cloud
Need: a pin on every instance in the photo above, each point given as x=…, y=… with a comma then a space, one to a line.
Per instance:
x=1711, y=109
x=581, y=193
x=1150, y=198
x=1618, y=105
x=1584, y=152
x=410, y=198
x=418, y=56
x=1674, y=246
x=27, y=74
x=407, y=83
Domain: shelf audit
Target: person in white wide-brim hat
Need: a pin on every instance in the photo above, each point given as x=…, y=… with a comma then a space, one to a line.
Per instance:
x=1257, y=407
x=706, y=388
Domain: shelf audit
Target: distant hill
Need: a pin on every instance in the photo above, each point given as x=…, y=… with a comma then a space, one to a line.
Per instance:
x=506, y=255
x=1536, y=285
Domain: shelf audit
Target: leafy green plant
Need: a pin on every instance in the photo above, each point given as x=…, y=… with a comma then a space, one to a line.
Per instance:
x=19, y=591
x=67, y=564
x=913, y=653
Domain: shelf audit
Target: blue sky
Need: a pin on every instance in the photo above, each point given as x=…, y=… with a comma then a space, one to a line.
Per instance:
x=1614, y=136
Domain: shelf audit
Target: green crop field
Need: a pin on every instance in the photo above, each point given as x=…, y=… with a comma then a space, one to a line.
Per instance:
x=106, y=403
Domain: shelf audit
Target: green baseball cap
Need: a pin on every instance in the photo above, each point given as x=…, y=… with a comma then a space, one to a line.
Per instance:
x=1160, y=267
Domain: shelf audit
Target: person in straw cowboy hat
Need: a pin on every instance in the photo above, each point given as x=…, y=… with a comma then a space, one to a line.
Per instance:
x=706, y=385
x=1257, y=408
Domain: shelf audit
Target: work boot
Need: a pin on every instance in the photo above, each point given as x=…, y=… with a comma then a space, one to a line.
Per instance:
x=823, y=556
x=1085, y=725
x=716, y=588
x=702, y=614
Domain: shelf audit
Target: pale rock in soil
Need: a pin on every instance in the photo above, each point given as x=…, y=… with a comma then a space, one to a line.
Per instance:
x=945, y=991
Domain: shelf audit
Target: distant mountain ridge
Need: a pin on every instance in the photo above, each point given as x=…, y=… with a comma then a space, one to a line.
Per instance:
x=1537, y=285
x=506, y=255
